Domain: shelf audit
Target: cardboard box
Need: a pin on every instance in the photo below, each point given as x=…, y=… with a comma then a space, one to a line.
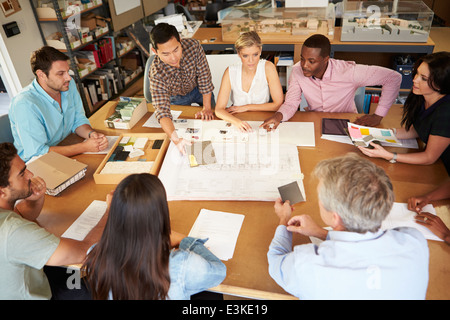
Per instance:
x=151, y=6
x=149, y=155
x=58, y=171
x=131, y=61
x=89, y=21
x=138, y=113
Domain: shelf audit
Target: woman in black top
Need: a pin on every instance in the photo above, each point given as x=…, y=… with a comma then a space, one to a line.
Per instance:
x=426, y=114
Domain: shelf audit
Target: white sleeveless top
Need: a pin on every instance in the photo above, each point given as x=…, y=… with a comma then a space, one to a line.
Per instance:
x=259, y=90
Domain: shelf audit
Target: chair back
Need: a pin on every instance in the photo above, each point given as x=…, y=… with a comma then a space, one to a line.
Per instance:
x=217, y=65
x=5, y=129
x=146, y=88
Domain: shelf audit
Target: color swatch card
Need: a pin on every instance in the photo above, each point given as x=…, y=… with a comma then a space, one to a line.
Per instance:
x=362, y=136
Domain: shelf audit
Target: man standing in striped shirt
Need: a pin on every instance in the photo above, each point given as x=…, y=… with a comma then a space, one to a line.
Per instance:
x=179, y=75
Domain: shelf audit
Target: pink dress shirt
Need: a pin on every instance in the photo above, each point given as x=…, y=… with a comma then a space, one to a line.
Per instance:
x=335, y=92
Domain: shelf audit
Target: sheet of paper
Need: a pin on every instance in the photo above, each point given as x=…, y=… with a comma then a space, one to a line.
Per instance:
x=86, y=221
x=152, y=122
x=221, y=229
x=400, y=216
x=240, y=172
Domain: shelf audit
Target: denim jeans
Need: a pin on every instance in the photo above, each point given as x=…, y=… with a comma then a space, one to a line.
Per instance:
x=193, y=269
x=192, y=97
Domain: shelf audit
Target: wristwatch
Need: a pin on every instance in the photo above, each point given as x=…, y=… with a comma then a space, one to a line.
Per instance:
x=394, y=159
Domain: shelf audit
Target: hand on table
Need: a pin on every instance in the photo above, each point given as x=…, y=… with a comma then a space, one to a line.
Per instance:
x=369, y=120
x=434, y=224
x=205, y=114
x=181, y=145
x=97, y=142
x=417, y=203
x=243, y=126
x=273, y=122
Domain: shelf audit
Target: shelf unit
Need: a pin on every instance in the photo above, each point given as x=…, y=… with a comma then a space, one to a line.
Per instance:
x=70, y=49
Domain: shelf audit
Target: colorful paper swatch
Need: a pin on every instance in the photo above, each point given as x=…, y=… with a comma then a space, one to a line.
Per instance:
x=361, y=135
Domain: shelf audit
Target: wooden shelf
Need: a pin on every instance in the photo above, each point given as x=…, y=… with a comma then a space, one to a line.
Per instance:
x=67, y=17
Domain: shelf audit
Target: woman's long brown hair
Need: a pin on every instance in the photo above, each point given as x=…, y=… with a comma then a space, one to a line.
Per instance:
x=131, y=260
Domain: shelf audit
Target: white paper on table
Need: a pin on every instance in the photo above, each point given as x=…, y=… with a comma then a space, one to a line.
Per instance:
x=405, y=143
x=400, y=216
x=152, y=122
x=240, y=172
x=111, y=141
x=221, y=229
x=86, y=221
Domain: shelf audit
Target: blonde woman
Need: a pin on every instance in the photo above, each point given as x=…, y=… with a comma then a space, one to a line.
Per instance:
x=249, y=84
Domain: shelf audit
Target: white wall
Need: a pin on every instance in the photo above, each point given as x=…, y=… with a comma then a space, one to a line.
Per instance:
x=16, y=50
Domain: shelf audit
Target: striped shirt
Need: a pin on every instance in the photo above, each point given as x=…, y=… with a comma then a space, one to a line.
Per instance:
x=167, y=81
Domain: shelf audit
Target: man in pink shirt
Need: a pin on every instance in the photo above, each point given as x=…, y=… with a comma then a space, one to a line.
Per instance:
x=329, y=85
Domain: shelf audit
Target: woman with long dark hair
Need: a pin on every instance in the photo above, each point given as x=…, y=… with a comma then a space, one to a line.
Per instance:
x=136, y=259
x=426, y=114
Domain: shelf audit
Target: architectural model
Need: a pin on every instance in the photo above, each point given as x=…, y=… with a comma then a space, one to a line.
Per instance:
x=367, y=21
x=279, y=24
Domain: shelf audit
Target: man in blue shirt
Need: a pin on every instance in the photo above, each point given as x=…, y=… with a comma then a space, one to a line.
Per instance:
x=356, y=260
x=49, y=109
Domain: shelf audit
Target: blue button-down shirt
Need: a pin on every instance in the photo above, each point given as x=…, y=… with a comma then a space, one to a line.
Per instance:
x=390, y=264
x=38, y=122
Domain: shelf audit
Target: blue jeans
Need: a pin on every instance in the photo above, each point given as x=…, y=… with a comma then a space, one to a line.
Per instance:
x=192, y=97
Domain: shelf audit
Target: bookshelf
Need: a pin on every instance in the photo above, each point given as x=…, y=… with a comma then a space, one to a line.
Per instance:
x=84, y=33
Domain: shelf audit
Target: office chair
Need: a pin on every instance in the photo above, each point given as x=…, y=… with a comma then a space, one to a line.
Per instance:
x=5, y=129
x=359, y=99
x=211, y=12
x=146, y=88
x=182, y=9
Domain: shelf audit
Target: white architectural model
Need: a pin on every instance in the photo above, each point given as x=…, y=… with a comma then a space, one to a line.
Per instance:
x=279, y=24
x=368, y=21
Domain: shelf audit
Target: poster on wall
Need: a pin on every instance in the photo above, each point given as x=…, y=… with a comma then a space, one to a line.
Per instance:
x=10, y=7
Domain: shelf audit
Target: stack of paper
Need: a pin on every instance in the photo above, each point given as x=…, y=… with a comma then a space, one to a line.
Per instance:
x=221, y=229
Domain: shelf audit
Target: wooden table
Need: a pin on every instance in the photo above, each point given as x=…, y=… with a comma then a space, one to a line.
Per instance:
x=247, y=271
